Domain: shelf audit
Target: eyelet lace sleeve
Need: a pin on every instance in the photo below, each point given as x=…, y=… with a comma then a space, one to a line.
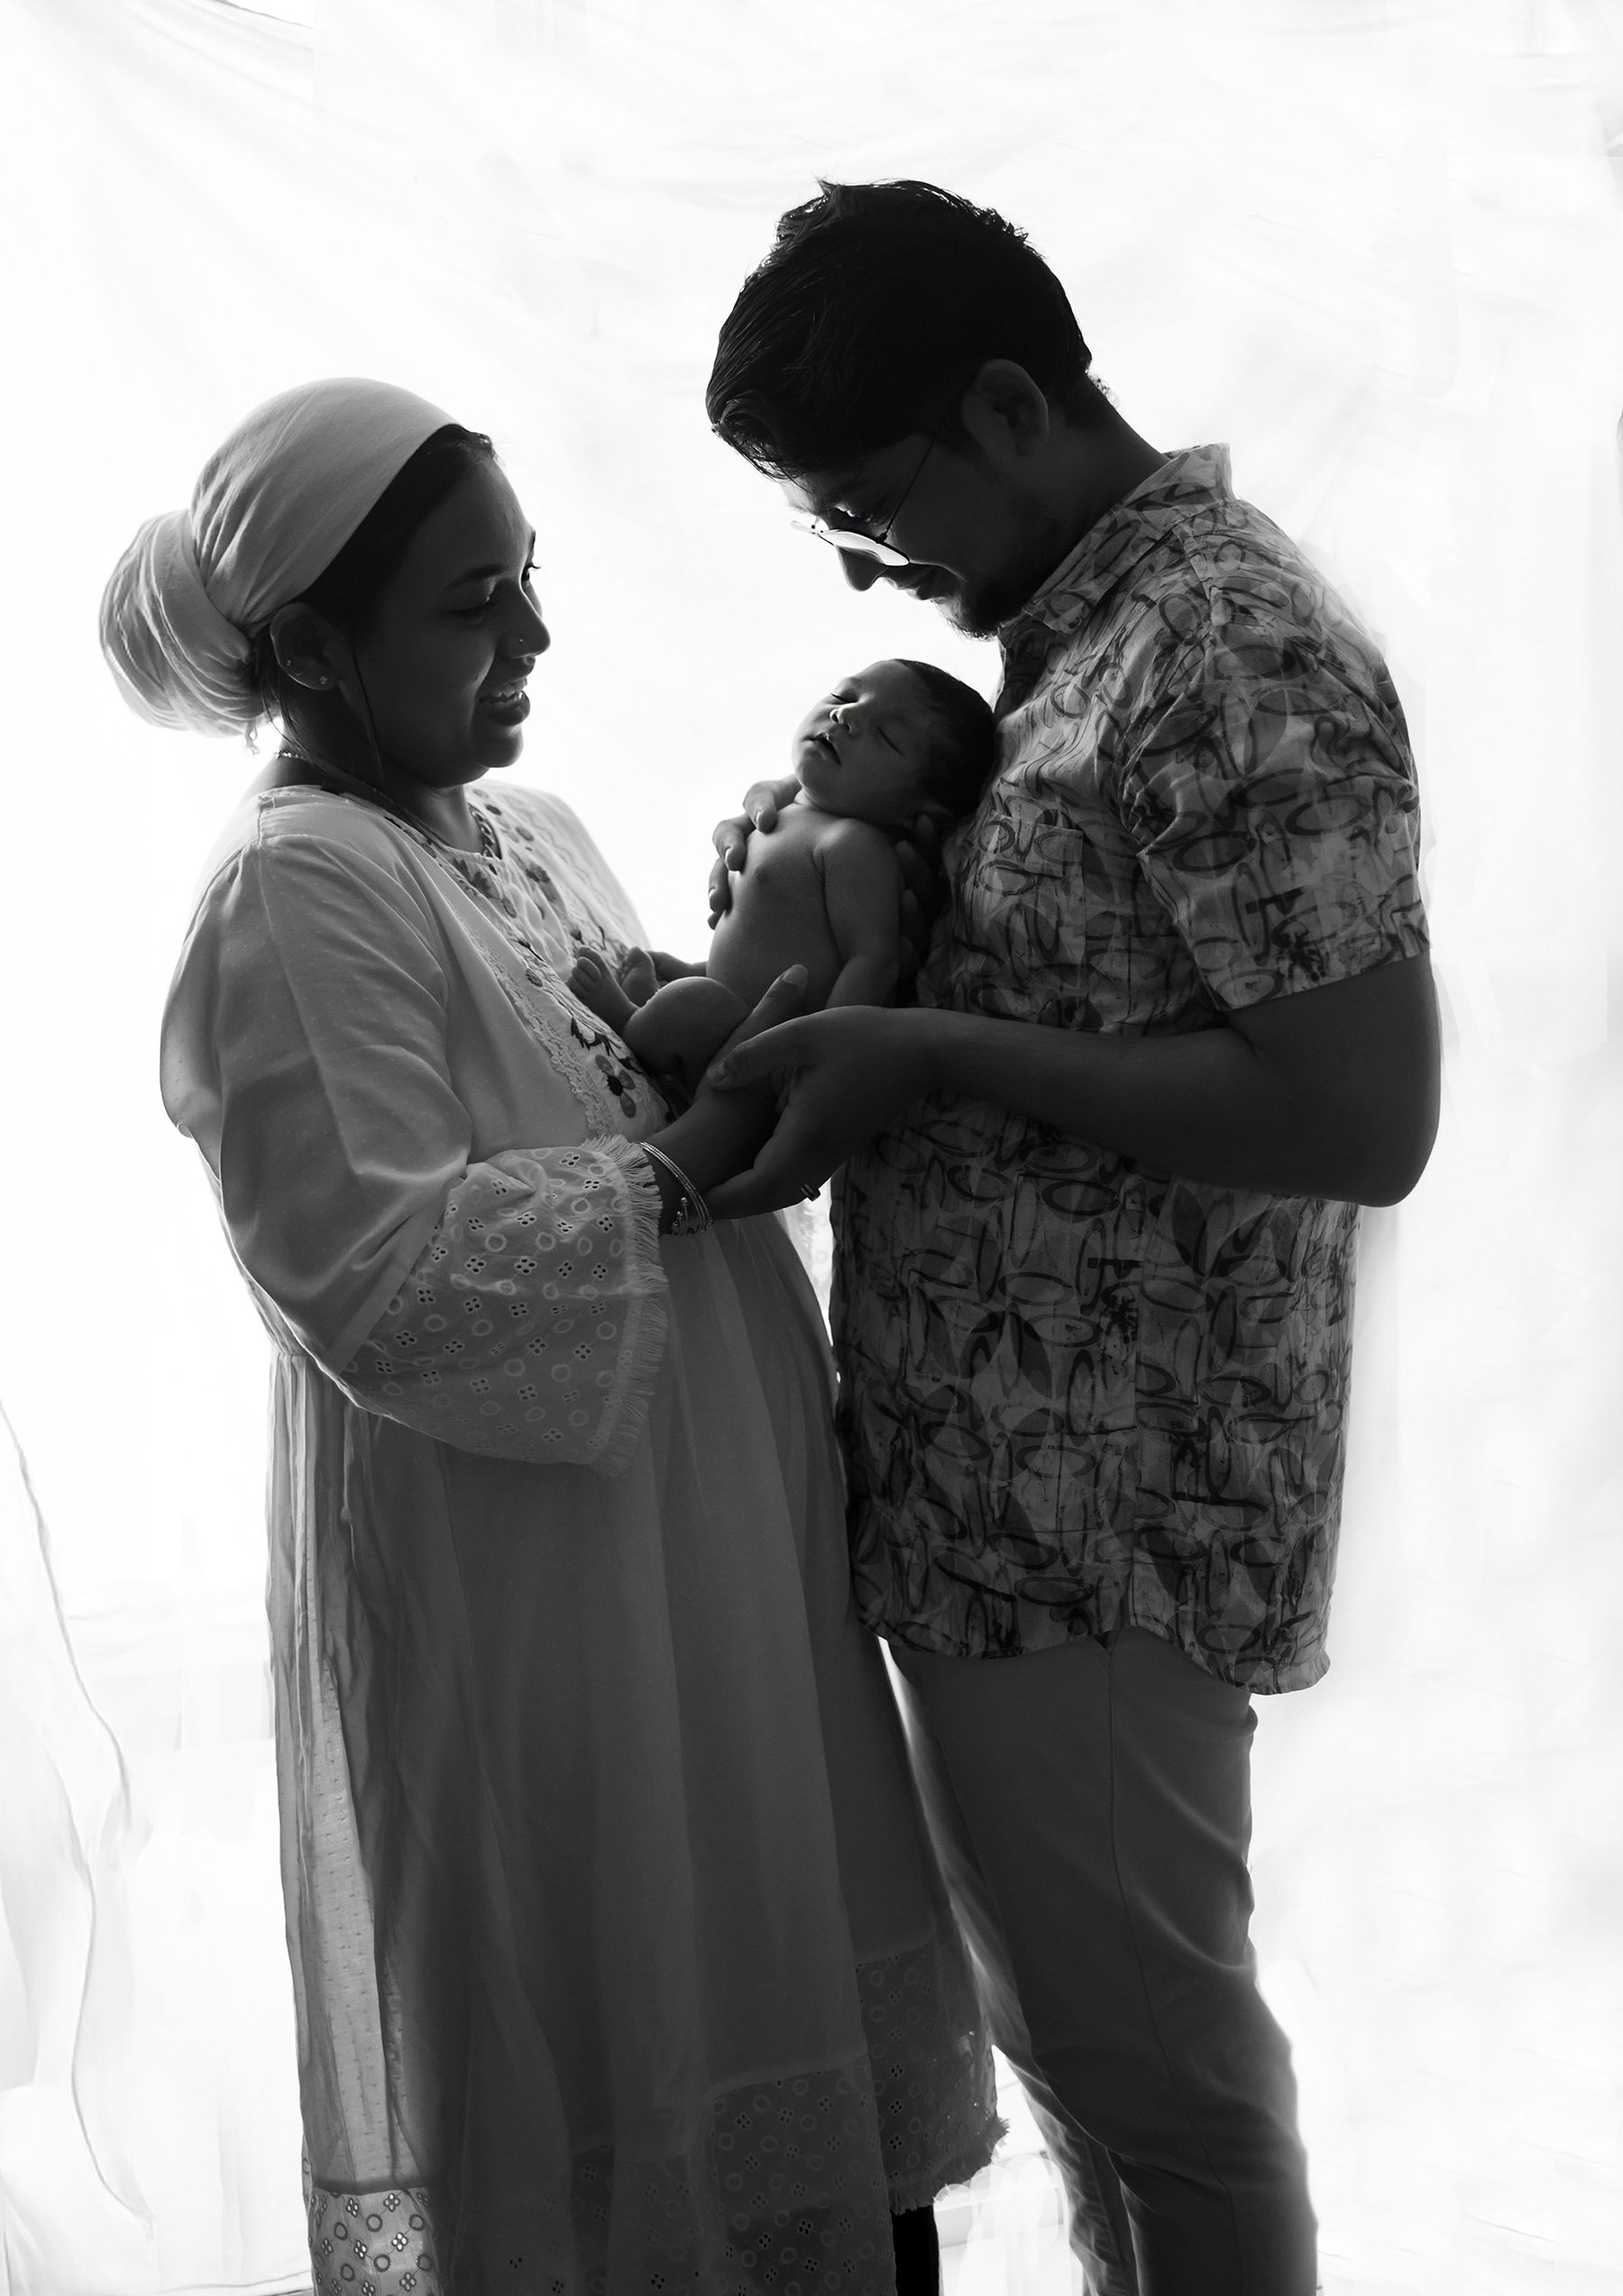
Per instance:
x=510, y=1303
x=532, y=1325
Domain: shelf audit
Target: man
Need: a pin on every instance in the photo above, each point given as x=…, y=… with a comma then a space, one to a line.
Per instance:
x=1099, y=1205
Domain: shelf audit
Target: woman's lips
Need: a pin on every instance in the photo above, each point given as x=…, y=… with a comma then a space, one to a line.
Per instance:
x=509, y=704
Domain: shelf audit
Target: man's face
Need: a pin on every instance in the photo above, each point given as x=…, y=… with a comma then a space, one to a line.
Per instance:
x=977, y=546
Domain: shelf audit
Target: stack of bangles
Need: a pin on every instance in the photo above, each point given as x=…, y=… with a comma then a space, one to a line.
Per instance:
x=692, y=1215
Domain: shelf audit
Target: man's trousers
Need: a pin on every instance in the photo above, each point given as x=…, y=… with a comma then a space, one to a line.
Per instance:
x=1091, y=1806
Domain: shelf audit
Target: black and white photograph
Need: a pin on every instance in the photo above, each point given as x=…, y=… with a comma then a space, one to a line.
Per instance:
x=811, y=1341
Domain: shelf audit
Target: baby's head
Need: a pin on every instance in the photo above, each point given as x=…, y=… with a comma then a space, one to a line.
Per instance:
x=899, y=739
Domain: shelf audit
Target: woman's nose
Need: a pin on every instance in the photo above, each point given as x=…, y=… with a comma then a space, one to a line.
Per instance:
x=531, y=637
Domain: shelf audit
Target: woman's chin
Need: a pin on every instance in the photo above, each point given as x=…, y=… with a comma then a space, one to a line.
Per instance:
x=498, y=747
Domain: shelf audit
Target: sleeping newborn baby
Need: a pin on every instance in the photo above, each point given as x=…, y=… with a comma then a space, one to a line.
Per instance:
x=899, y=739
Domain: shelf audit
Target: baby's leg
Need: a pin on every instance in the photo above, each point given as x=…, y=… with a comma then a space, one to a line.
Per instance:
x=592, y=978
x=637, y=976
x=682, y=1027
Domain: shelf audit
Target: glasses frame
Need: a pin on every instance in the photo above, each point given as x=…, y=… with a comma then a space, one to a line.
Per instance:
x=853, y=539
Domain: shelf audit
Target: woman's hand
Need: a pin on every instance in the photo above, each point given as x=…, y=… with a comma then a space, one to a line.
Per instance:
x=721, y=1131
x=854, y=1069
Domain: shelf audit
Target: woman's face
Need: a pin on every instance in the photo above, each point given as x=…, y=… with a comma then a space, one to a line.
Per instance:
x=452, y=638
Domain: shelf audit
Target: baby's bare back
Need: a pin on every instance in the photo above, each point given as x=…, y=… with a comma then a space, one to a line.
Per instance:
x=779, y=916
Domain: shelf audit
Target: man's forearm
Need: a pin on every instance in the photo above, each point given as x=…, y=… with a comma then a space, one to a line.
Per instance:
x=1352, y=1119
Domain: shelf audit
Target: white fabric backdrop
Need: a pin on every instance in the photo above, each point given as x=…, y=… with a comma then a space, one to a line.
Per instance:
x=1376, y=245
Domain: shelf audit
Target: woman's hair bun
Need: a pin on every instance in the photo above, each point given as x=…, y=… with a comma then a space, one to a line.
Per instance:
x=177, y=659
x=273, y=506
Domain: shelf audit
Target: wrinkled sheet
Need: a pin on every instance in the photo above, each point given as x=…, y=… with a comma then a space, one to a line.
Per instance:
x=1374, y=248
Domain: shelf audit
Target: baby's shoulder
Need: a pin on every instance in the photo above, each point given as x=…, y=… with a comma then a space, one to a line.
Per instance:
x=849, y=843
x=845, y=833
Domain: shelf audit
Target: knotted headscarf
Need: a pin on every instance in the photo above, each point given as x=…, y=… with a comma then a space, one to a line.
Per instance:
x=271, y=510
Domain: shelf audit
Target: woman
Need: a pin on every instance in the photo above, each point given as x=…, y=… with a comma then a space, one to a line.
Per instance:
x=619, y=1958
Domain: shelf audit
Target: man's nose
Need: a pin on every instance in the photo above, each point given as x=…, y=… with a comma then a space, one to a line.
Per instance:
x=860, y=570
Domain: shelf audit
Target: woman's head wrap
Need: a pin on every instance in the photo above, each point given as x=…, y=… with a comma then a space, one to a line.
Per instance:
x=273, y=507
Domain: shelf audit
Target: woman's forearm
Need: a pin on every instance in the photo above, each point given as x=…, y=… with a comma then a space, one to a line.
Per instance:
x=717, y=1136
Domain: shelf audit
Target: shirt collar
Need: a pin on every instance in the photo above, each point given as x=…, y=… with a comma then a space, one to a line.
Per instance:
x=1114, y=544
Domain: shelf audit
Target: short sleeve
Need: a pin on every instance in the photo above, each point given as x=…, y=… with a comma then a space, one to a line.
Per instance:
x=1273, y=796
x=305, y=1050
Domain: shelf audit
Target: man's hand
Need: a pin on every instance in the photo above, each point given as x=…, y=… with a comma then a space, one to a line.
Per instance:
x=1332, y=1091
x=762, y=803
x=918, y=855
x=923, y=892
x=854, y=1069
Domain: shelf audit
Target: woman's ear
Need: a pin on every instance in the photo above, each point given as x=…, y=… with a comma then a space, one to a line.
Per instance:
x=307, y=646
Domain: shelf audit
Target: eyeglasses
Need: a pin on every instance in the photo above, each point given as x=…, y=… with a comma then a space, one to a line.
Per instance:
x=859, y=545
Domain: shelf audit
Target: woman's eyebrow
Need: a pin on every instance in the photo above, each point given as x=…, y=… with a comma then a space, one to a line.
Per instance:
x=485, y=573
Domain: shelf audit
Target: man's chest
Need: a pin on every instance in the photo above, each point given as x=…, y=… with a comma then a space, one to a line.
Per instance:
x=1052, y=916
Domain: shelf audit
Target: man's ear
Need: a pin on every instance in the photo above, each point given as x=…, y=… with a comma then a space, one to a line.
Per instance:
x=1005, y=412
x=308, y=648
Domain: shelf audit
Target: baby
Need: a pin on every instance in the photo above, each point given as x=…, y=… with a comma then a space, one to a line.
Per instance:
x=899, y=739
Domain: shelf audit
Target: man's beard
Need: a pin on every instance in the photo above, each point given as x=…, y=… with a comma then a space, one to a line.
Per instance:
x=982, y=611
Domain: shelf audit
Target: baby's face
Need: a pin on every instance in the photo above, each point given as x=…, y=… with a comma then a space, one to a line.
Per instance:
x=864, y=750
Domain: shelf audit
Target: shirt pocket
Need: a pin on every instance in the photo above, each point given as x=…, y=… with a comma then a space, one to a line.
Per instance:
x=1036, y=904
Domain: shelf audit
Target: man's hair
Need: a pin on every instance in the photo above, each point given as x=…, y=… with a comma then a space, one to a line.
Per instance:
x=869, y=319
x=963, y=749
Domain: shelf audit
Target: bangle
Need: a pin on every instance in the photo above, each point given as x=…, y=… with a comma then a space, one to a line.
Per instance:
x=693, y=1215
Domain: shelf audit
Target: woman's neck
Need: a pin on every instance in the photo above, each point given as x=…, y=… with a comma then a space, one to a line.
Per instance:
x=445, y=813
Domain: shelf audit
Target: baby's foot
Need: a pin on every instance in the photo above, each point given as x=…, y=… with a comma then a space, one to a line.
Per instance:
x=637, y=976
x=592, y=979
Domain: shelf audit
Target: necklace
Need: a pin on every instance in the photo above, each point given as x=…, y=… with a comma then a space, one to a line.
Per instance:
x=352, y=785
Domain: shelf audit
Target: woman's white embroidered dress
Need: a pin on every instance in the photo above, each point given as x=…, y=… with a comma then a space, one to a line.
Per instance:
x=619, y=1959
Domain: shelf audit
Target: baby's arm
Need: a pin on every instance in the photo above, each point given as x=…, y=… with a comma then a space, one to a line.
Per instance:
x=862, y=882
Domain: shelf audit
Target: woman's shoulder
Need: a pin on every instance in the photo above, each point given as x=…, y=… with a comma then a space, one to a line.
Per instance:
x=301, y=836
x=539, y=815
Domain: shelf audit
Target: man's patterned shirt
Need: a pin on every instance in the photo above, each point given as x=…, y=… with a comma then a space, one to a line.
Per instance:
x=1076, y=1394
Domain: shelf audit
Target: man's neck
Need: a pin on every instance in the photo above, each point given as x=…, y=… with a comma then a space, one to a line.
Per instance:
x=1097, y=464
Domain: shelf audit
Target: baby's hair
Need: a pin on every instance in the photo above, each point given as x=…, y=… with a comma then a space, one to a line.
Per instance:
x=965, y=748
